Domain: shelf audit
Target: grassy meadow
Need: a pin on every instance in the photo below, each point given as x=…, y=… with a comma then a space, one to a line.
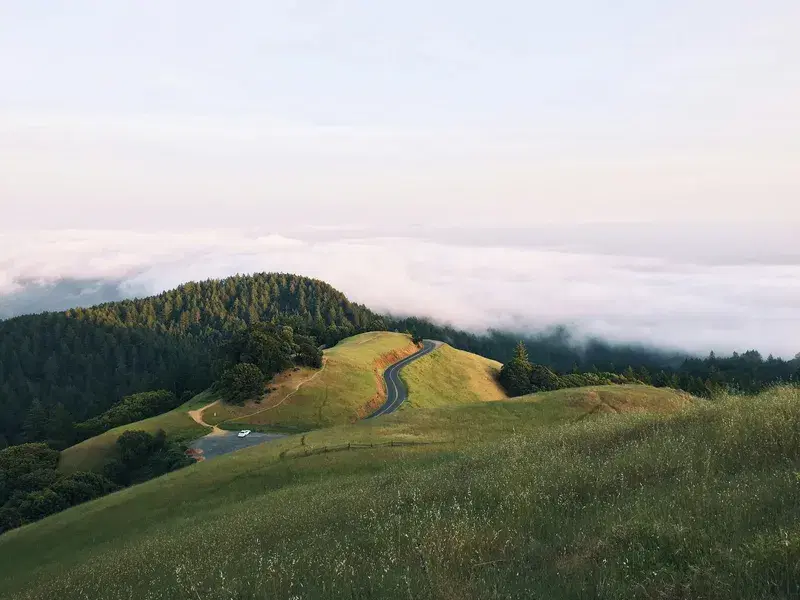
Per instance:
x=601, y=492
x=302, y=399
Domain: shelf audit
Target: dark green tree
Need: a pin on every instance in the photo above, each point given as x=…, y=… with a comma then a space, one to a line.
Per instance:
x=242, y=381
x=543, y=379
x=515, y=374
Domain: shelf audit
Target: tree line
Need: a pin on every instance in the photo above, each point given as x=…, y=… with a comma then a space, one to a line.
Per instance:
x=745, y=373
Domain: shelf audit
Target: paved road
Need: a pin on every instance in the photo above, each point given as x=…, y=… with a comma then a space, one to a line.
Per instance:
x=214, y=445
x=396, y=391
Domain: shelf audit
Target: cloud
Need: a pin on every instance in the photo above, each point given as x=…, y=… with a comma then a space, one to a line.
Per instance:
x=690, y=299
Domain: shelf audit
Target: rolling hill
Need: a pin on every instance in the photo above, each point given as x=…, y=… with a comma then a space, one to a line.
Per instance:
x=615, y=492
x=348, y=388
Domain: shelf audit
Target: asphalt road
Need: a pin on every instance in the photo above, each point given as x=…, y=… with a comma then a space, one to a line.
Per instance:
x=396, y=392
x=213, y=445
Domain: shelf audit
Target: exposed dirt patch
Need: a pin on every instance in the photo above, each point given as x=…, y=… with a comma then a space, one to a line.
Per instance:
x=285, y=397
x=378, y=367
x=195, y=454
x=197, y=415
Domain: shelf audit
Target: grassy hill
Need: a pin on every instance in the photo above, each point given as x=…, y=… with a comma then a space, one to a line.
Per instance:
x=347, y=388
x=661, y=496
x=450, y=376
x=350, y=386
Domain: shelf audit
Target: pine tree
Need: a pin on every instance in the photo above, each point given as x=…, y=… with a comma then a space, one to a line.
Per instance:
x=515, y=374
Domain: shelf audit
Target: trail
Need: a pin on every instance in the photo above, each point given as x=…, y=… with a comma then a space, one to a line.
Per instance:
x=287, y=396
x=197, y=415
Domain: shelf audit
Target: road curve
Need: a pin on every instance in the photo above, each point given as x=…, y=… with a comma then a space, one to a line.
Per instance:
x=396, y=392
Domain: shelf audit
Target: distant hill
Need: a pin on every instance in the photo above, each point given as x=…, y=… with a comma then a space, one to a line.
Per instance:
x=58, y=368
x=348, y=388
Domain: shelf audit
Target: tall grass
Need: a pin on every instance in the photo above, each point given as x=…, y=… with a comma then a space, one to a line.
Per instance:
x=701, y=504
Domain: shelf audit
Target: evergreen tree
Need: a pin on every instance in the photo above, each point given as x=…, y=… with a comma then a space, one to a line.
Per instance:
x=515, y=374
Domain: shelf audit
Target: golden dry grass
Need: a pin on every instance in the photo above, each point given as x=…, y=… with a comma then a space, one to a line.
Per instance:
x=449, y=376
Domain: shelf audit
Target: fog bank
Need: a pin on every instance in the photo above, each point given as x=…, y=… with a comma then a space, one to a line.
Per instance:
x=689, y=295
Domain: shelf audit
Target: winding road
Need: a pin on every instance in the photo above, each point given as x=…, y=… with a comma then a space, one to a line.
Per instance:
x=396, y=392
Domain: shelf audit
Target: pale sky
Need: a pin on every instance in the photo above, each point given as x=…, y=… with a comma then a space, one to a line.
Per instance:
x=150, y=114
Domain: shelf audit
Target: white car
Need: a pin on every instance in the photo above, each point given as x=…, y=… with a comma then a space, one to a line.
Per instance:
x=244, y=433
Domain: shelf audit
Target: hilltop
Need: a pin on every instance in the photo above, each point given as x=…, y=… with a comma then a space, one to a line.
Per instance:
x=555, y=498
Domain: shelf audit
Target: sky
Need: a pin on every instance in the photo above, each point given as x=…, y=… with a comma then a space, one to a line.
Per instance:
x=139, y=134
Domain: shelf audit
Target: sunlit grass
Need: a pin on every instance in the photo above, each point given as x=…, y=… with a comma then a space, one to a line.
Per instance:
x=450, y=376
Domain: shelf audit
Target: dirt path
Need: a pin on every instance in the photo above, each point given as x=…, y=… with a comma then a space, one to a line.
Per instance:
x=287, y=396
x=197, y=415
x=369, y=339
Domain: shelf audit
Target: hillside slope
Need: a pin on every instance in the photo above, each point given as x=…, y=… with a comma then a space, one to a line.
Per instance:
x=704, y=503
x=450, y=376
x=347, y=388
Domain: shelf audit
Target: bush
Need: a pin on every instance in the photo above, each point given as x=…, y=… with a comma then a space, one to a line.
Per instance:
x=26, y=458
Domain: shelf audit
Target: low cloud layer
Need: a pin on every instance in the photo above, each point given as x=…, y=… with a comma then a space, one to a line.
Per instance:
x=688, y=295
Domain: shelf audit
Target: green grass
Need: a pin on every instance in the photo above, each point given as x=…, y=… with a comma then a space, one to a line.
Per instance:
x=450, y=376
x=90, y=454
x=558, y=499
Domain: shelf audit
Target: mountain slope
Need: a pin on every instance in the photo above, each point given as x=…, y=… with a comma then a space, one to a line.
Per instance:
x=86, y=359
x=701, y=504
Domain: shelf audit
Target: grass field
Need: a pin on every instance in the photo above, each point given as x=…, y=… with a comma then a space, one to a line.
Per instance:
x=179, y=426
x=558, y=499
x=450, y=376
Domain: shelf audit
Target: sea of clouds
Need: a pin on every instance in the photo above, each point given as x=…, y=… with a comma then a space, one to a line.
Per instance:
x=684, y=290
